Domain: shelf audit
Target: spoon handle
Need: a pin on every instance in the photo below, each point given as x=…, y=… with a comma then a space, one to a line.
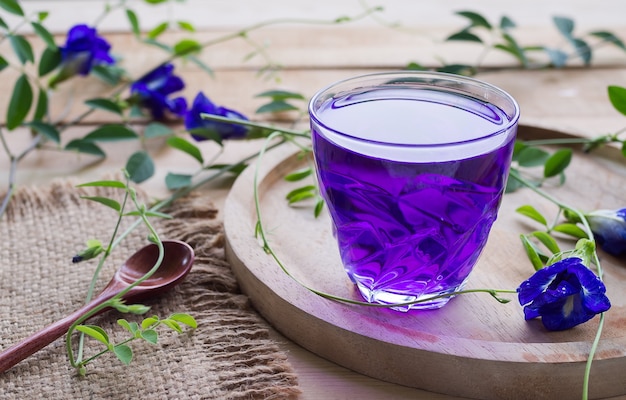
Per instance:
x=44, y=337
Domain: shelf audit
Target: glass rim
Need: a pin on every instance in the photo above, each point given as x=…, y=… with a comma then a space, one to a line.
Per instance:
x=502, y=130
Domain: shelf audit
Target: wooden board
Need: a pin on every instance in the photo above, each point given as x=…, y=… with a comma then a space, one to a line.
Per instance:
x=473, y=347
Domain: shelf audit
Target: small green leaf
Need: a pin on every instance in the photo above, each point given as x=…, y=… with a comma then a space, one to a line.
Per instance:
x=83, y=146
x=12, y=6
x=532, y=213
x=533, y=254
x=186, y=26
x=50, y=59
x=299, y=174
x=148, y=322
x=532, y=157
x=111, y=184
x=186, y=147
x=295, y=198
x=458, y=69
x=41, y=109
x=21, y=101
x=609, y=37
x=126, y=325
x=297, y=193
x=104, y=104
x=3, y=63
x=506, y=23
x=571, y=230
x=564, y=25
x=184, y=319
x=475, y=19
x=558, y=58
x=157, y=129
x=513, y=48
x=547, y=241
x=275, y=106
x=44, y=35
x=111, y=133
x=150, y=335
x=281, y=95
x=155, y=1
x=138, y=309
x=22, y=48
x=95, y=332
x=110, y=74
x=3, y=24
x=140, y=167
x=464, y=36
x=319, y=206
x=617, y=96
x=172, y=325
x=177, y=181
x=158, y=30
x=47, y=130
x=123, y=353
x=105, y=201
x=583, y=50
x=557, y=162
x=186, y=46
x=134, y=22
x=42, y=15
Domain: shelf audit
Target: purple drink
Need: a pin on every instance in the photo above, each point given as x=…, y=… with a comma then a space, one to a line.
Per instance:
x=413, y=171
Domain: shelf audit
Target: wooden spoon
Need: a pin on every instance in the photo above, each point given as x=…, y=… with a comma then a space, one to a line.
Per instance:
x=177, y=260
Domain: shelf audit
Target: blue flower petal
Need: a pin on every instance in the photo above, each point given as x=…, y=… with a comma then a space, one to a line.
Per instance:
x=152, y=91
x=195, y=122
x=609, y=228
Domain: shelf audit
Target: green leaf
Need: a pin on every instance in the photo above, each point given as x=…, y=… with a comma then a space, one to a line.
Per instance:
x=155, y=1
x=232, y=168
x=458, y=69
x=3, y=63
x=319, y=206
x=571, y=230
x=531, y=251
x=110, y=74
x=475, y=19
x=281, y=95
x=105, y=201
x=177, y=181
x=275, y=106
x=131, y=327
x=464, y=36
x=44, y=35
x=140, y=167
x=558, y=58
x=299, y=174
x=50, y=59
x=105, y=104
x=617, y=96
x=184, y=319
x=21, y=101
x=513, y=48
x=42, y=15
x=22, y=48
x=123, y=353
x=3, y=24
x=12, y=6
x=47, y=130
x=138, y=309
x=547, y=241
x=609, y=37
x=42, y=105
x=158, y=30
x=583, y=50
x=186, y=147
x=532, y=213
x=557, y=162
x=172, y=325
x=187, y=26
x=299, y=192
x=95, y=332
x=150, y=336
x=532, y=157
x=186, y=46
x=111, y=184
x=110, y=133
x=506, y=23
x=148, y=322
x=134, y=22
x=564, y=25
x=297, y=197
x=85, y=146
x=157, y=129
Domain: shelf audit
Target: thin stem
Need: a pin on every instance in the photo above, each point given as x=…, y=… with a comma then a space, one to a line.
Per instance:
x=591, y=356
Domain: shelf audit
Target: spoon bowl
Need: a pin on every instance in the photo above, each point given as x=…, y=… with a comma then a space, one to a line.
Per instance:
x=177, y=260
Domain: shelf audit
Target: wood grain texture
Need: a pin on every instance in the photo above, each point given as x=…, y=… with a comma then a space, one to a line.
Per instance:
x=472, y=347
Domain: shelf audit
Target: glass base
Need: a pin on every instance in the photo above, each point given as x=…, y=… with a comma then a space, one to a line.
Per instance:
x=382, y=297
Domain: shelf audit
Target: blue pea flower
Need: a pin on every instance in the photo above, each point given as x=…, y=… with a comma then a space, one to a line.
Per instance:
x=564, y=294
x=152, y=91
x=609, y=228
x=203, y=129
x=83, y=49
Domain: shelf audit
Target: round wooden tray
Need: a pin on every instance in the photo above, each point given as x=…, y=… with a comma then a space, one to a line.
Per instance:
x=474, y=346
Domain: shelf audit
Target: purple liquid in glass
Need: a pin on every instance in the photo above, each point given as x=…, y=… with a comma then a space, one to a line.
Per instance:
x=411, y=204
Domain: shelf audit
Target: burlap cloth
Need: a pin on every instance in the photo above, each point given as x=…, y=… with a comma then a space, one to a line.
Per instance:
x=229, y=355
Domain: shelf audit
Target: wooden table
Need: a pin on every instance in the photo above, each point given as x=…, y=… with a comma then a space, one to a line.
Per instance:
x=572, y=99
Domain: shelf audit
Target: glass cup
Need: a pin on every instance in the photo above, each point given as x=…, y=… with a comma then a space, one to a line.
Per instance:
x=412, y=166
